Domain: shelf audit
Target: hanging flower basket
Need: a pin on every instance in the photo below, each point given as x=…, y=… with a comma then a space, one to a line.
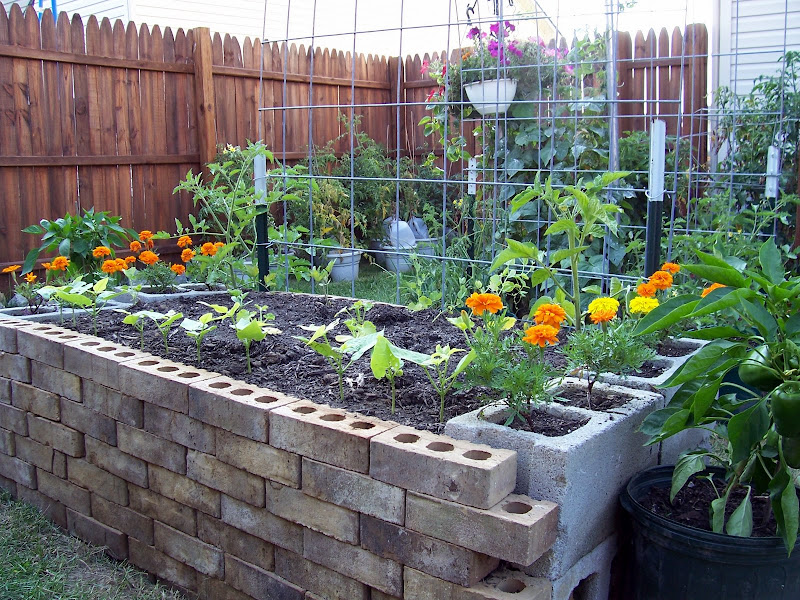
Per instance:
x=492, y=96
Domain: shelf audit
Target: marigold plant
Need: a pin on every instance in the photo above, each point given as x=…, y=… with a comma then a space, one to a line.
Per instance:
x=184, y=241
x=12, y=268
x=550, y=314
x=646, y=290
x=178, y=269
x=661, y=280
x=541, y=335
x=642, y=305
x=187, y=255
x=30, y=277
x=479, y=303
x=60, y=263
x=110, y=267
x=671, y=267
x=148, y=257
x=136, y=246
x=711, y=288
x=101, y=251
x=208, y=249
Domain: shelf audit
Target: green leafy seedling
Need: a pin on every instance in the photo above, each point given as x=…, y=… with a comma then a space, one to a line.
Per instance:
x=199, y=329
x=164, y=322
x=135, y=320
x=250, y=330
x=386, y=361
x=436, y=368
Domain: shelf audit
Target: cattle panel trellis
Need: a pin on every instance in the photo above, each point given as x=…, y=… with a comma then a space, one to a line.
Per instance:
x=112, y=116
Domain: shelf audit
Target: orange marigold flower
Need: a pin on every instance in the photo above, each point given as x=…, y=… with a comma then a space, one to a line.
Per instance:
x=219, y=244
x=130, y=260
x=30, y=277
x=187, y=255
x=136, y=246
x=122, y=263
x=12, y=268
x=184, y=241
x=101, y=251
x=48, y=266
x=148, y=258
x=178, y=269
x=550, y=314
x=671, y=267
x=541, y=335
x=60, y=263
x=646, y=290
x=145, y=235
x=603, y=316
x=662, y=280
x=208, y=249
x=110, y=267
x=711, y=288
x=481, y=302
x=150, y=243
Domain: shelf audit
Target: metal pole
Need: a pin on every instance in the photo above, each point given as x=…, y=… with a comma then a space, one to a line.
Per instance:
x=262, y=236
x=655, y=197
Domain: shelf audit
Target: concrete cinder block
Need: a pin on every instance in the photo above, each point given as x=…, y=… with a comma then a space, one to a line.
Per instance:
x=442, y=467
x=297, y=507
x=424, y=553
x=98, y=360
x=18, y=470
x=354, y=491
x=189, y=550
x=160, y=381
x=5, y=390
x=58, y=436
x=227, y=479
x=15, y=367
x=235, y=406
x=44, y=343
x=184, y=490
x=115, y=461
x=167, y=568
x=52, y=509
x=258, y=458
x=179, y=428
x=151, y=448
x=258, y=583
x=9, y=486
x=13, y=419
x=55, y=380
x=503, y=584
x=328, y=435
x=167, y=511
x=7, y=445
x=32, y=399
x=517, y=529
x=94, y=532
x=214, y=589
x=262, y=524
x=592, y=573
x=113, y=403
x=318, y=579
x=68, y=494
x=77, y=416
x=354, y=562
x=98, y=481
x=238, y=543
x=34, y=453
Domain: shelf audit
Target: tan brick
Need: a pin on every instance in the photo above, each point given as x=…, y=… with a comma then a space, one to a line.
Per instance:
x=179, y=428
x=503, y=584
x=379, y=595
x=167, y=568
x=233, y=541
x=91, y=423
x=113, y=403
x=59, y=464
x=117, y=462
x=151, y=448
x=55, y=380
x=443, y=467
x=52, y=509
x=44, y=342
x=517, y=529
x=68, y=494
x=258, y=458
x=96, y=480
x=32, y=399
x=354, y=491
x=7, y=446
x=184, y=490
x=15, y=367
x=160, y=381
x=258, y=583
x=18, y=470
x=422, y=586
x=354, y=562
x=318, y=579
x=5, y=390
x=293, y=505
x=35, y=453
x=189, y=550
x=214, y=589
x=8, y=334
x=13, y=419
x=424, y=553
x=235, y=406
x=122, y=518
x=220, y=476
x=328, y=435
x=165, y=510
x=9, y=485
x=98, y=360
x=262, y=524
x=56, y=435
x=94, y=532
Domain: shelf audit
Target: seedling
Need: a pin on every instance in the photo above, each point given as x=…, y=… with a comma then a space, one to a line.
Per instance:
x=164, y=322
x=322, y=277
x=387, y=361
x=250, y=330
x=135, y=320
x=199, y=329
x=357, y=323
x=80, y=294
x=436, y=367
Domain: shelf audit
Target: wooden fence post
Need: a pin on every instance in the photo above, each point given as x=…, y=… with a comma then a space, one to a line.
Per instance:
x=204, y=91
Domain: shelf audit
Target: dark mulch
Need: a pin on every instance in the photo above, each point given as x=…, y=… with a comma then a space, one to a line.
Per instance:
x=602, y=400
x=549, y=425
x=674, y=349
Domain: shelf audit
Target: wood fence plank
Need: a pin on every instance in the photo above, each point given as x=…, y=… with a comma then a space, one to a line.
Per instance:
x=66, y=102
x=666, y=109
x=8, y=132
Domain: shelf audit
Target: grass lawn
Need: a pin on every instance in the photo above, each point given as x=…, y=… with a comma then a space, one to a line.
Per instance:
x=373, y=283
x=38, y=561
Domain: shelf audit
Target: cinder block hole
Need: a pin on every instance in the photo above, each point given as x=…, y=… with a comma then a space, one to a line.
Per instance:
x=219, y=385
x=583, y=590
x=477, y=455
x=304, y=410
x=242, y=392
x=511, y=586
x=90, y=343
x=106, y=349
x=188, y=374
x=333, y=417
x=123, y=354
x=440, y=447
x=148, y=363
x=167, y=369
x=265, y=399
x=68, y=337
x=43, y=329
x=361, y=425
x=517, y=508
x=406, y=438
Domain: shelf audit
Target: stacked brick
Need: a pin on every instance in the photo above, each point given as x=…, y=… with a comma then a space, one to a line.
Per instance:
x=234, y=492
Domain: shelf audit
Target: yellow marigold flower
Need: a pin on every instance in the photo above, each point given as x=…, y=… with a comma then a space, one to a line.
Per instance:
x=541, y=335
x=136, y=246
x=145, y=235
x=711, y=288
x=178, y=269
x=481, y=302
x=642, y=305
x=646, y=290
x=603, y=304
x=12, y=268
x=60, y=263
x=148, y=258
x=662, y=280
x=603, y=316
x=208, y=249
x=30, y=277
x=187, y=255
x=130, y=260
x=550, y=314
x=101, y=251
x=110, y=267
x=671, y=267
x=184, y=241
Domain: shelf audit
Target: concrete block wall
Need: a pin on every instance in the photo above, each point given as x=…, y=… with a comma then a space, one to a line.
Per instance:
x=230, y=491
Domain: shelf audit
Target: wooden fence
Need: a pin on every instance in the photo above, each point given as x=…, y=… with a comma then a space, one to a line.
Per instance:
x=113, y=117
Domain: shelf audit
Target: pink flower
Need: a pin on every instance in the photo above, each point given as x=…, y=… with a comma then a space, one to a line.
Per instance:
x=425, y=65
x=549, y=52
x=510, y=26
x=569, y=69
x=473, y=32
x=494, y=28
x=512, y=47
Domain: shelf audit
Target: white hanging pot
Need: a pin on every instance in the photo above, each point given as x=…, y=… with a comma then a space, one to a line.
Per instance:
x=345, y=267
x=492, y=95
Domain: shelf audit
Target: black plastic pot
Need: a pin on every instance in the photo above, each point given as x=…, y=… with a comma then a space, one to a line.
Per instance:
x=675, y=562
